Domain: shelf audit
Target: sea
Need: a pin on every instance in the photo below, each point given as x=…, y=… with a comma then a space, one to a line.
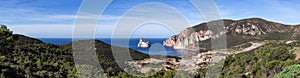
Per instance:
x=156, y=47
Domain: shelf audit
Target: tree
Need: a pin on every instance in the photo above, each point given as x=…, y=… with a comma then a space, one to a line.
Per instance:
x=4, y=31
x=5, y=38
x=5, y=35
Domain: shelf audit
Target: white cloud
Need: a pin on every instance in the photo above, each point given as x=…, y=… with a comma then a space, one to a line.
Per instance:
x=86, y=16
x=59, y=30
x=43, y=30
x=5, y=21
x=110, y=17
x=150, y=13
x=32, y=15
x=62, y=17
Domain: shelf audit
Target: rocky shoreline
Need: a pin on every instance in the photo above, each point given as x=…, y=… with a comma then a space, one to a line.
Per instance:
x=193, y=61
x=190, y=63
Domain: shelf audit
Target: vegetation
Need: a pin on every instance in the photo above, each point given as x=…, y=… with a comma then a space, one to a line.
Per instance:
x=242, y=40
x=33, y=59
x=5, y=38
x=265, y=61
x=25, y=57
x=289, y=72
x=22, y=56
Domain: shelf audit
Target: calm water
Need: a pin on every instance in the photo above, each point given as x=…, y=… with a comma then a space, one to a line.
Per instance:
x=129, y=43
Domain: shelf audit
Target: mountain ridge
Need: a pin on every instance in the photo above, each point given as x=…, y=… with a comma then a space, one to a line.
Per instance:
x=250, y=28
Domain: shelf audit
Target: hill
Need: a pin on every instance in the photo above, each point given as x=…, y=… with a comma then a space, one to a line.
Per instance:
x=266, y=62
x=237, y=32
x=22, y=56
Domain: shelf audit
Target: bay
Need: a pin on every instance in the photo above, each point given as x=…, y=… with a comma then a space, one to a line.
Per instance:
x=125, y=42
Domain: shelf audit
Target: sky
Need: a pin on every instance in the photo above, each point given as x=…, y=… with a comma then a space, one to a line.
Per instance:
x=55, y=18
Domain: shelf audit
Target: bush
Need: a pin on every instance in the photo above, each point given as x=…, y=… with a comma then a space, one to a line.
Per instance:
x=273, y=63
x=265, y=61
x=3, y=58
x=289, y=72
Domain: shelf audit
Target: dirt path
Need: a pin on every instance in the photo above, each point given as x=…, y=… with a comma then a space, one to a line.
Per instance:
x=297, y=53
x=253, y=46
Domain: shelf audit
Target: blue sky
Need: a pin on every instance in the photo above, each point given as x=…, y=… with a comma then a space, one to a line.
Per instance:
x=55, y=18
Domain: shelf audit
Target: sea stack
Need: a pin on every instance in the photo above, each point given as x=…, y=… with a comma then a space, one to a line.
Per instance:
x=143, y=43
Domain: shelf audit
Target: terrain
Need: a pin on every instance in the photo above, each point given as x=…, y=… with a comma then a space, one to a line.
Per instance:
x=256, y=48
x=26, y=57
x=237, y=32
x=22, y=56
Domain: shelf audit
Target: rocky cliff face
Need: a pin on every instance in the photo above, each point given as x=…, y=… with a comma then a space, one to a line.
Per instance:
x=297, y=31
x=187, y=38
x=253, y=27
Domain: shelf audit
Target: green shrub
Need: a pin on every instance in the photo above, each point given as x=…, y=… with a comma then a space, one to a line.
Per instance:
x=289, y=72
x=3, y=58
x=262, y=62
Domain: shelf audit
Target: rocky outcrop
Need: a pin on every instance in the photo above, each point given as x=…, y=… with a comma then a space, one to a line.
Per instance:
x=148, y=64
x=188, y=38
x=191, y=37
x=248, y=28
x=191, y=64
x=171, y=41
x=143, y=43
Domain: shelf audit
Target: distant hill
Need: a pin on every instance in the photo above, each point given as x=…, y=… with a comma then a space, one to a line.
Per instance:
x=237, y=32
x=24, y=40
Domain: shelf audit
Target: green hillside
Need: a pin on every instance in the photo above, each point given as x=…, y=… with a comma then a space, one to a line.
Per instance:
x=22, y=56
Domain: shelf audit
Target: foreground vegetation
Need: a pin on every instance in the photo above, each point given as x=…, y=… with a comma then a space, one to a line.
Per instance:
x=24, y=57
x=265, y=61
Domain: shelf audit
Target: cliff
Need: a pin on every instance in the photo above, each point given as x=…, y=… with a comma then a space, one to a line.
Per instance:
x=237, y=32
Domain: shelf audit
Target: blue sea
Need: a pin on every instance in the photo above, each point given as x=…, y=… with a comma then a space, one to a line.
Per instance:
x=122, y=42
